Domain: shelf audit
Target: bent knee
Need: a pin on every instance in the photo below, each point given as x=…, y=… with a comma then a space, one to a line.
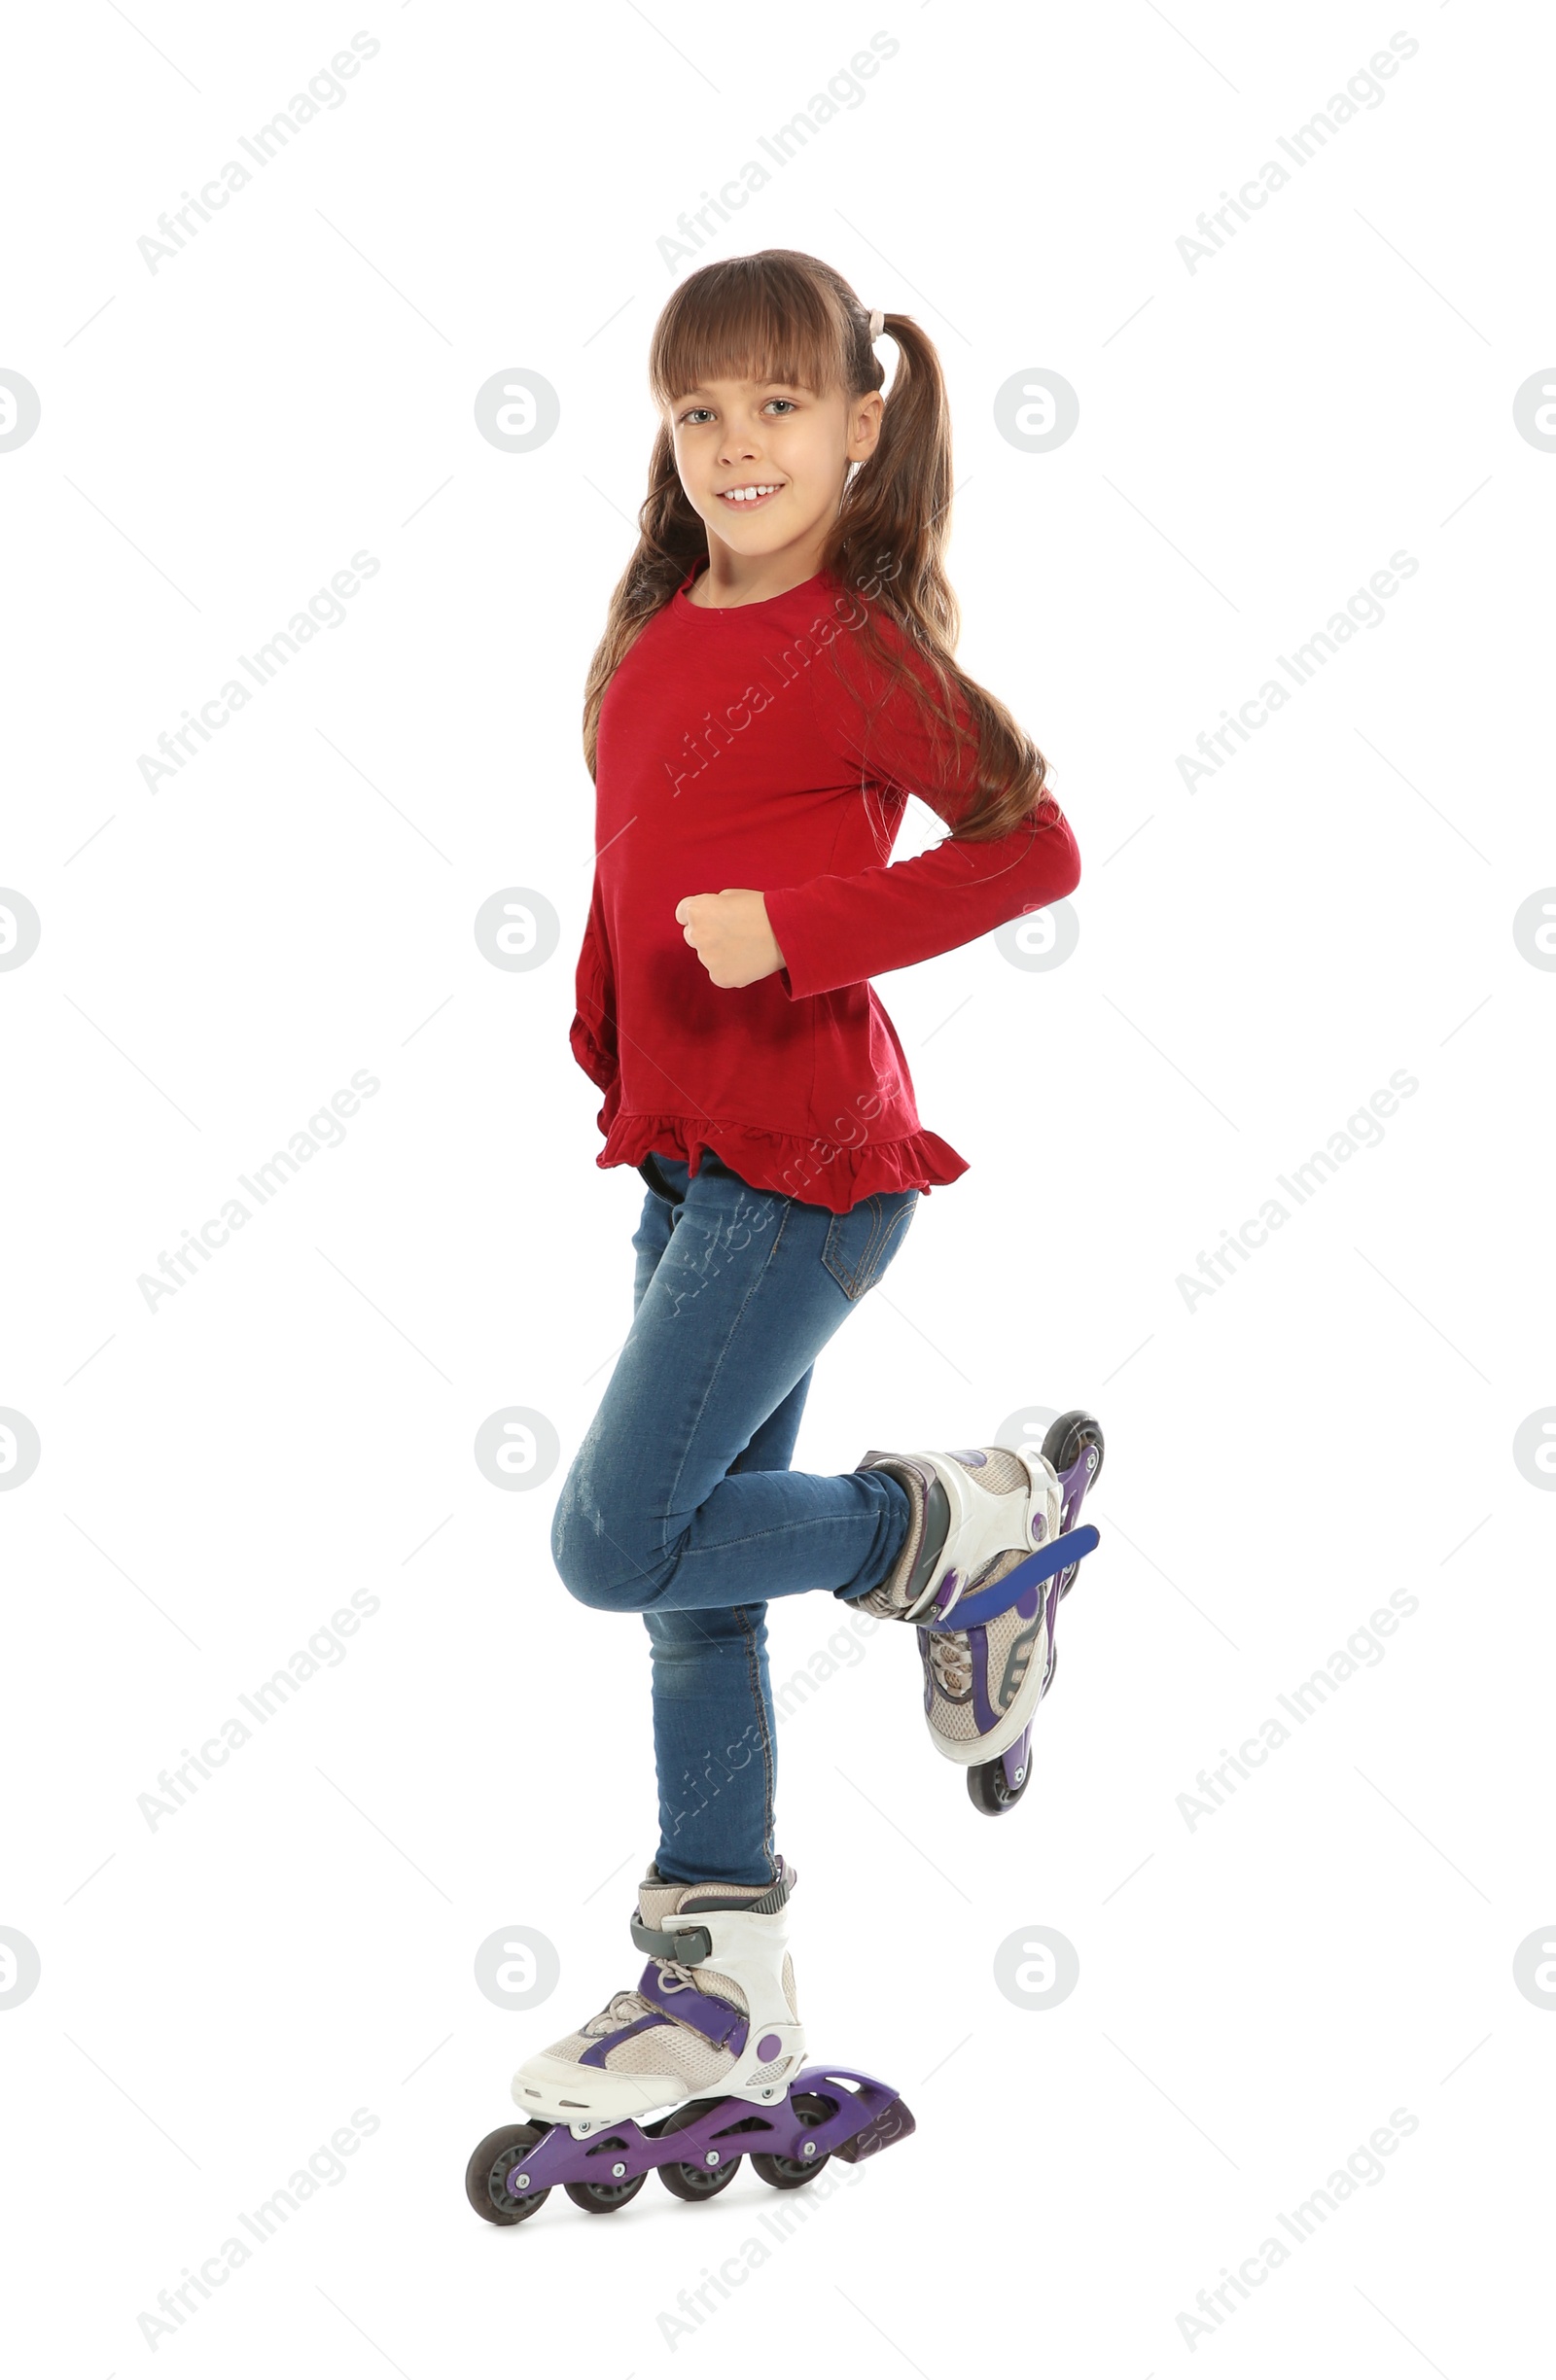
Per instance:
x=600, y=1557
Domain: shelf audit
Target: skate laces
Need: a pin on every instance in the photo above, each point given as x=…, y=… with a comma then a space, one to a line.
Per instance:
x=618, y=2011
x=624, y=2007
x=951, y=1660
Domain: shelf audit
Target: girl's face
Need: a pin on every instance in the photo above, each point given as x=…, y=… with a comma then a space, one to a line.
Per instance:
x=735, y=436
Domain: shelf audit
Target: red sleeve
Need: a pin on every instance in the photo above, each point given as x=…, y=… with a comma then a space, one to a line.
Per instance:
x=592, y=1034
x=836, y=930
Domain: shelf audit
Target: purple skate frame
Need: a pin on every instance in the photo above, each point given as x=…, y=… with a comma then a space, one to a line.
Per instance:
x=869, y=2117
x=1055, y=1562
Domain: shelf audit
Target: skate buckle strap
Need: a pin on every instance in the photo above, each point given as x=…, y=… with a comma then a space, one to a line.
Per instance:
x=691, y=1946
x=985, y=1603
x=715, y=2019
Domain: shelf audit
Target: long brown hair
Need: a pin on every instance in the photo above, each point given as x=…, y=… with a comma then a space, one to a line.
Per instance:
x=782, y=315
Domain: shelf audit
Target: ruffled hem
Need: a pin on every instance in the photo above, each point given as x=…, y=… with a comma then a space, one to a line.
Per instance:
x=598, y=1064
x=788, y=1162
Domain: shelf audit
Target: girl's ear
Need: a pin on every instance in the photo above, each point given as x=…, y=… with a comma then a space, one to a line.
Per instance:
x=866, y=427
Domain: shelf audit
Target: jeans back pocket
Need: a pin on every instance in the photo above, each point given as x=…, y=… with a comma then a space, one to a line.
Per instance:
x=860, y=1245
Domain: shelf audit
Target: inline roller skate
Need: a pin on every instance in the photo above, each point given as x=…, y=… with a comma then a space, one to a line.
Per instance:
x=712, y=2035
x=992, y=1550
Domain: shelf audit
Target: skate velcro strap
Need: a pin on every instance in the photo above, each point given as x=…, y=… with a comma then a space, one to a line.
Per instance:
x=715, y=2019
x=691, y=1946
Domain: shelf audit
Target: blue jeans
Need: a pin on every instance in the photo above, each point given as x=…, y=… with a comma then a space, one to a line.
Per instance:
x=680, y=1503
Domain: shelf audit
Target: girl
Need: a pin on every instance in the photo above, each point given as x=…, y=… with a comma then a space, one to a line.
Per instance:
x=774, y=678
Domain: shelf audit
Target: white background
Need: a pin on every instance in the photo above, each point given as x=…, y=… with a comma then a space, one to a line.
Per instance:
x=1258, y=1992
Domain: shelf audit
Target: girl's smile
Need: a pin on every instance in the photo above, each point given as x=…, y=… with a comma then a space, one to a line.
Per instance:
x=752, y=494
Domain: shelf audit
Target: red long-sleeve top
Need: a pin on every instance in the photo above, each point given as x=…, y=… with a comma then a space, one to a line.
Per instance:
x=754, y=746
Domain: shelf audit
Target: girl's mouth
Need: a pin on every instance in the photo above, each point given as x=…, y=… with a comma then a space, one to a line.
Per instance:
x=751, y=498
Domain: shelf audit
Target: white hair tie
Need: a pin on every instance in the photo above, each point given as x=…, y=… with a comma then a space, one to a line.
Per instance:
x=877, y=324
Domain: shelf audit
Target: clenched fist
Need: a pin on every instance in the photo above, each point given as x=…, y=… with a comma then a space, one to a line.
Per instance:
x=730, y=935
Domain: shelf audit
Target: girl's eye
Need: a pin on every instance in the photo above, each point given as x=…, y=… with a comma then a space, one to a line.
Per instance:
x=692, y=411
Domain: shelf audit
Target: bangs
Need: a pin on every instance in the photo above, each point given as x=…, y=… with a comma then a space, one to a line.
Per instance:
x=751, y=318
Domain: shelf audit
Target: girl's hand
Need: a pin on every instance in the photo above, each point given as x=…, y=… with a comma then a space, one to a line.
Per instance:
x=730, y=935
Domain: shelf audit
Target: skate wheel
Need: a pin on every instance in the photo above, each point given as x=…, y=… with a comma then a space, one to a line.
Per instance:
x=991, y=1791
x=604, y=2198
x=792, y=2173
x=1067, y=1440
x=694, y=2182
x=1069, y=1437
x=491, y=2164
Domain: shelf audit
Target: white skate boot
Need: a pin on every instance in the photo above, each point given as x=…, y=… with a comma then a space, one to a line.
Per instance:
x=714, y=2011
x=977, y=1511
x=979, y=1515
